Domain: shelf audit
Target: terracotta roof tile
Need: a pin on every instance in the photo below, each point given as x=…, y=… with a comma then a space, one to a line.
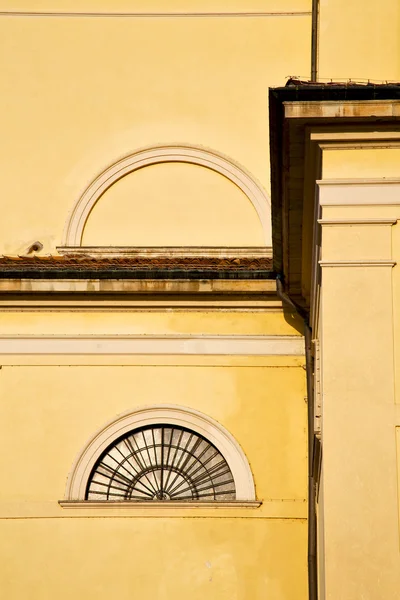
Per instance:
x=142, y=267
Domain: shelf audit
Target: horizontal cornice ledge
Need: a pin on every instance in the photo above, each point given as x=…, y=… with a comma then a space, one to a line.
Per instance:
x=156, y=15
x=153, y=287
x=361, y=181
x=357, y=263
x=341, y=108
x=168, y=251
x=350, y=222
x=359, y=192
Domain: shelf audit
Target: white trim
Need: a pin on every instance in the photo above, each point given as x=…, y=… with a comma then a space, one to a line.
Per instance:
x=74, y=227
x=15, y=13
x=353, y=136
x=392, y=221
x=230, y=345
x=358, y=263
x=155, y=415
x=363, y=192
x=360, y=181
x=358, y=145
x=315, y=292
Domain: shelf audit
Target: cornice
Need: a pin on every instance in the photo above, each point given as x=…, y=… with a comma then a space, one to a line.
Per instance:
x=155, y=15
x=357, y=263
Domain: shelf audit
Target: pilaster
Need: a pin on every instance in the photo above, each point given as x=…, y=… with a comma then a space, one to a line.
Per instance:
x=358, y=388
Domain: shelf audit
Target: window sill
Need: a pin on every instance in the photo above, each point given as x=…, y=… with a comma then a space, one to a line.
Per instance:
x=110, y=505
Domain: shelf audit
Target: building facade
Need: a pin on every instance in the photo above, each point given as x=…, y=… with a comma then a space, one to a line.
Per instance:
x=175, y=424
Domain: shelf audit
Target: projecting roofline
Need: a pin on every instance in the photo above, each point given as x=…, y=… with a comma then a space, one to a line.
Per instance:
x=296, y=111
x=307, y=91
x=328, y=109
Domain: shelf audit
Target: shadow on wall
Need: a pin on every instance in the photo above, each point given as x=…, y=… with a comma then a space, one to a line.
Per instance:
x=293, y=319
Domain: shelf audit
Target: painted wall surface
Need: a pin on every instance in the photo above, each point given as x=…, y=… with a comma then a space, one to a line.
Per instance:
x=359, y=337
x=83, y=91
x=87, y=82
x=156, y=558
x=55, y=404
x=359, y=40
x=154, y=322
x=173, y=204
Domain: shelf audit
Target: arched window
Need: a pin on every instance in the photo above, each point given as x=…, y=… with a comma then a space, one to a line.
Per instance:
x=161, y=462
x=161, y=453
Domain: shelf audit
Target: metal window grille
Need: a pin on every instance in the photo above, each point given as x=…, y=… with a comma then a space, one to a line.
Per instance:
x=161, y=462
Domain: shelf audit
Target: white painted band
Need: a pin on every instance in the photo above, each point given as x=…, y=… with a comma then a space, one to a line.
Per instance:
x=244, y=345
x=357, y=263
x=359, y=192
x=350, y=222
x=169, y=14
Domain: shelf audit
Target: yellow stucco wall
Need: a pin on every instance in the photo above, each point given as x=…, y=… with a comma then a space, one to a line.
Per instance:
x=364, y=162
x=81, y=92
x=56, y=403
x=173, y=205
x=153, y=558
x=161, y=322
x=359, y=40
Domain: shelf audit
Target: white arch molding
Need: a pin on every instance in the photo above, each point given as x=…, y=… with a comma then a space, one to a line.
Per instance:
x=146, y=157
x=162, y=415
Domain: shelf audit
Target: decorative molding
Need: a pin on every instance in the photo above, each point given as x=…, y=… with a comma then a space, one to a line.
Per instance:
x=353, y=135
x=361, y=181
x=344, y=108
x=148, y=15
x=392, y=221
x=247, y=303
x=155, y=287
x=230, y=345
x=359, y=145
x=359, y=192
x=267, y=508
x=156, y=415
x=109, y=505
x=358, y=263
x=169, y=251
x=73, y=231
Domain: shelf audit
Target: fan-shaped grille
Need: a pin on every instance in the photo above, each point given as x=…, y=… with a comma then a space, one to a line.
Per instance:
x=161, y=462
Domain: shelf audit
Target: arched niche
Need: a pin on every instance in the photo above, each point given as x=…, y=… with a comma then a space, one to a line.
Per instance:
x=162, y=415
x=230, y=172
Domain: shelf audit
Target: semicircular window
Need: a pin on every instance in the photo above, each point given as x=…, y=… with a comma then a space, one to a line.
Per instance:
x=161, y=462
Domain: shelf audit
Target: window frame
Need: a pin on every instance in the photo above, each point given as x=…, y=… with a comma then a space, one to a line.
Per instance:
x=160, y=415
